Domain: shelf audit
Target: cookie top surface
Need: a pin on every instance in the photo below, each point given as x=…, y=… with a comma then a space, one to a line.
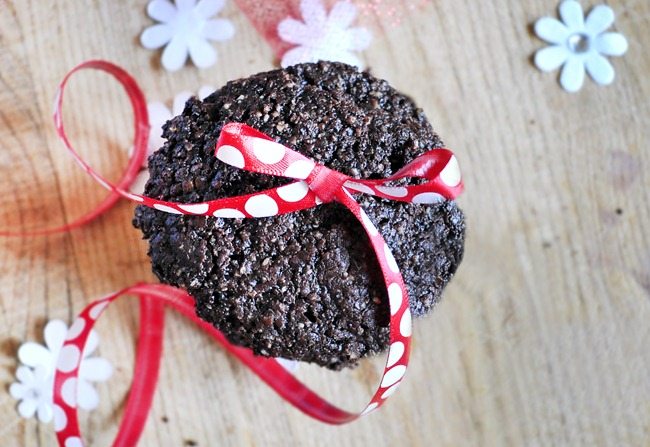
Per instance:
x=306, y=285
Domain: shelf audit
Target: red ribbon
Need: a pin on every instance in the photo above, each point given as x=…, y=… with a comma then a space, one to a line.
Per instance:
x=246, y=148
x=137, y=157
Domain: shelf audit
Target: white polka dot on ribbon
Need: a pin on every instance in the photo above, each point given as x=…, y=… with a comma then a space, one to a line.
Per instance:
x=261, y=206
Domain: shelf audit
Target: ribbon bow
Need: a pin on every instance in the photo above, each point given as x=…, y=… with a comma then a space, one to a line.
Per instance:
x=245, y=148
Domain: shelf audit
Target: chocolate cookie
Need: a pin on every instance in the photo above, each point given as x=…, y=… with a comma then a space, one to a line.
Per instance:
x=306, y=285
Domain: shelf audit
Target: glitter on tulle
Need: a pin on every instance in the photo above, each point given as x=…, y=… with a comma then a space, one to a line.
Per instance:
x=389, y=11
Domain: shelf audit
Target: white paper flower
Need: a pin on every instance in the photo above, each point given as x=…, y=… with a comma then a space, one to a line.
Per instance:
x=159, y=114
x=35, y=380
x=34, y=391
x=579, y=44
x=323, y=37
x=185, y=28
x=290, y=365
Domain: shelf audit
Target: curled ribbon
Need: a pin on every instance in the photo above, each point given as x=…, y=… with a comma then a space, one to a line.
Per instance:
x=137, y=158
x=245, y=148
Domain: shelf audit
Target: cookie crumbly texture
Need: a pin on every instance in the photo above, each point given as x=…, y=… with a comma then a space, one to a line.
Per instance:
x=303, y=286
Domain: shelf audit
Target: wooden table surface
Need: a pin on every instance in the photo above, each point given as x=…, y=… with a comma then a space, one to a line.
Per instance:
x=542, y=338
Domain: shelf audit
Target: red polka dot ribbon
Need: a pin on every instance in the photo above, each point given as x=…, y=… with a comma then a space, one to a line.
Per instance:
x=245, y=148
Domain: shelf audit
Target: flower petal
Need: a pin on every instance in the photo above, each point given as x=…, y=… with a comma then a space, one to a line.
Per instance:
x=91, y=344
x=179, y=102
x=202, y=53
x=206, y=91
x=551, y=30
x=572, y=15
x=294, y=31
x=611, y=44
x=313, y=12
x=550, y=58
x=137, y=187
x=161, y=10
x=27, y=408
x=599, y=19
x=343, y=14
x=208, y=8
x=175, y=54
x=185, y=5
x=42, y=373
x=18, y=390
x=55, y=333
x=218, y=29
x=348, y=58
x=599, y=68
x=45, y=412
x=33, y=354
x=156, y=141
x=159, y=113
x=289, y=365
x=359, y=39
x=573, y=75
x=298, y=55
x=156, y=36
x=25, y=375
x=87, y=397
x=96, y=369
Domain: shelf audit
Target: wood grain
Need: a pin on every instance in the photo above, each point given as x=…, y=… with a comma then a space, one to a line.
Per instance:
x=542, y=339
